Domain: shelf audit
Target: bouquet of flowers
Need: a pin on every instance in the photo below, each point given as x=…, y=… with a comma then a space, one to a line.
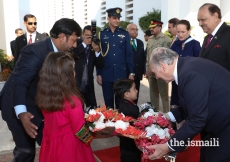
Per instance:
x=157, y=127
x=102, y=117
x=150, y=128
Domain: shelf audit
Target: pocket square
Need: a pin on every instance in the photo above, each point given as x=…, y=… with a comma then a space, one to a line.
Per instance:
x=217, y=46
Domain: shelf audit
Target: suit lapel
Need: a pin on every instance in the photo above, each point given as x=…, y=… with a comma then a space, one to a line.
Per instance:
x=37, y=37
x=213, y=41
x=179, y=65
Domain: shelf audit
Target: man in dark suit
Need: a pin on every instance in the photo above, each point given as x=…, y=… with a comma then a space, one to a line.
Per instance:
x=138, y=56
x=18, y=32
x=23, y=117
x=87, y=55
x=29, y=37
x=216, y=44
x=203, y=88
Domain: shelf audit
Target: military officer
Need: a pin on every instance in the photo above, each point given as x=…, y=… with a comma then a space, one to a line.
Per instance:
x=118, y=56
x=157, y=86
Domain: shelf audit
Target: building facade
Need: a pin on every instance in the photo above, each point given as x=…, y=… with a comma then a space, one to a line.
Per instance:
x=83, y=11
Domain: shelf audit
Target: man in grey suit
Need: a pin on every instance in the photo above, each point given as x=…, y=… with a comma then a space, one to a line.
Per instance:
x=29, y=37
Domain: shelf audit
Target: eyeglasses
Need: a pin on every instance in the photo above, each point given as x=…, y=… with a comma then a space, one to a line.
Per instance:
x=31, y=23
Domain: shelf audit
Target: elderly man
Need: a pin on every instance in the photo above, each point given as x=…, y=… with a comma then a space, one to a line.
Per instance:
x=204, y=104
x=138, y=55
x=216, y=44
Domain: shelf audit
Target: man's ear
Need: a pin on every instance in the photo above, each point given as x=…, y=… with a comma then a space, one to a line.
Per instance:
x=61, y=36
x=162, y=65
x=126, y=94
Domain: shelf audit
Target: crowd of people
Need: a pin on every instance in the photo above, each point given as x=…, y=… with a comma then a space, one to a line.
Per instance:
x=52, y=83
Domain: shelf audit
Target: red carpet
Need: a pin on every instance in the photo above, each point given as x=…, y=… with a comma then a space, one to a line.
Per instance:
x=113, y=154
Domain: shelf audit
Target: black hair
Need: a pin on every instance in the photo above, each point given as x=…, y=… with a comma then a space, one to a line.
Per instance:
x=148, y=33
x=16, y=30
x=28, y=16
x=87, y=27
x=121, y=86
x=212, y=9
x=66, y=26
x=173, y=21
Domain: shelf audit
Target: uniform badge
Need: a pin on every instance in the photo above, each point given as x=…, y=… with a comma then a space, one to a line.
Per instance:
x=105, y=37
x=121, y=36
x=118, y=11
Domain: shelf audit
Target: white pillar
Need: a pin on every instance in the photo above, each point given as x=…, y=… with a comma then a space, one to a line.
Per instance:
x=224, y=5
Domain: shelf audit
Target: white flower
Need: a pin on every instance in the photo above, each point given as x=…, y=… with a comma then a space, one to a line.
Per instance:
x=150, y=113
x=99, y=125
x=167, y=133
x=109, y=124
x=102, y=118
x=121, y=124
x=161, y=133
x=92, y=112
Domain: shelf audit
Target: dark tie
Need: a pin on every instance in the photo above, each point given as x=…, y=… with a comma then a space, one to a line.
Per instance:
x=30, y=41
x=134, y=44
x=208, y=40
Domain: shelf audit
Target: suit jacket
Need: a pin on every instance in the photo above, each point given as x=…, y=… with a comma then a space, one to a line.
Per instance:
x=204, y=94
x=21, y=42
x=219, y=49
x=21, y=86
x=80, y=60
x=127, y=145
x=139, y=60
x=118, y=63
x=12, y=46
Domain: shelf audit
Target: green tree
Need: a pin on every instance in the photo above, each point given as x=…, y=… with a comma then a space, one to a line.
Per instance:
x=123, y=24
x=144, y=21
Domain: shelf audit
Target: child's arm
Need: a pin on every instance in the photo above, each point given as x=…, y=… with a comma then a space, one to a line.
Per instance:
x=79, y=124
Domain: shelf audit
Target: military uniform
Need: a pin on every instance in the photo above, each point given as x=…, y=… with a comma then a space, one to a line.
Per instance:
x=118, y=58
x=158, y=86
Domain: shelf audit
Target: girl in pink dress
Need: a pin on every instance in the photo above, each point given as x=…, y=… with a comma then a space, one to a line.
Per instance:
x=65, y=136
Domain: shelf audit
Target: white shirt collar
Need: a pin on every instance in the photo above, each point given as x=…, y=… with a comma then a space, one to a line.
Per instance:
x=33, y=36
x=175, y=73
x=217, y=28
x=54, y=47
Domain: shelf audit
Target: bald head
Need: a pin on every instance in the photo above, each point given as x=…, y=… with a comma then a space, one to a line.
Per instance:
x=133, y=30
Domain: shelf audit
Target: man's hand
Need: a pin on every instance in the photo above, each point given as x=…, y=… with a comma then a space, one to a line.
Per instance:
x=160, y=151
x=131, y=77
x=29, y=127
x=99, y=80
x=165, y=114
x=95, y=47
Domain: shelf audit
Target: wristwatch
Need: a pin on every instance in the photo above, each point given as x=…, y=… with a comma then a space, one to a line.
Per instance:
x=132, y=74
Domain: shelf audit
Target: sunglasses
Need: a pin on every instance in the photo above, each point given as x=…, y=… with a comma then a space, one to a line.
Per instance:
x=31, y=23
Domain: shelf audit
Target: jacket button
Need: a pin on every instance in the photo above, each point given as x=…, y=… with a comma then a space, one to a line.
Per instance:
x=114, y=54
x=114, y=64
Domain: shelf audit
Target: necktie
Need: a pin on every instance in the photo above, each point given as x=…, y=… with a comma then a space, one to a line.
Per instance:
x=30, y=41
x=208, y=40
x=86, y=54
x=134, y=44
